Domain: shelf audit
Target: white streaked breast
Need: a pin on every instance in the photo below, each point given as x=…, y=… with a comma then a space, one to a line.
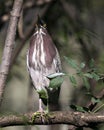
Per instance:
x=39, y=43
x=34, y=56
x=42, y=51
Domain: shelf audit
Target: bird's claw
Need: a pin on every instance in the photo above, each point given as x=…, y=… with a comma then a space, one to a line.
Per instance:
x=43, y=115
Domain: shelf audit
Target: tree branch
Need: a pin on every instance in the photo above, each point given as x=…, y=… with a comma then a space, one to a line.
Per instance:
x=9, y=45
x=66, y=117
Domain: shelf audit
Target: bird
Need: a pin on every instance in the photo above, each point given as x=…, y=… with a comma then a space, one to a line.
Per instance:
x=43, y=62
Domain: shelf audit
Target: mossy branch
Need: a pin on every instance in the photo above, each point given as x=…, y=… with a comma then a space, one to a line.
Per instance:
x=61, y=117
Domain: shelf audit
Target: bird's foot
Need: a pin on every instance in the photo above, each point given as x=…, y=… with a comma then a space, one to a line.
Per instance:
x=43, y=115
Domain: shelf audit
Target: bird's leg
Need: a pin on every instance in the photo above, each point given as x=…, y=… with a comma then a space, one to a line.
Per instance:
x=42, y=113
x=41, y=110
x=39, y=113
x=40, y=106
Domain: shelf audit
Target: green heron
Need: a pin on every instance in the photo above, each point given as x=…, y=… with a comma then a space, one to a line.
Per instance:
x=43, y=60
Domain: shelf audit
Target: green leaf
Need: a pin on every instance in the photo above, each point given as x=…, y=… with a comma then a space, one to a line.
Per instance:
x=88, y=75
x=54, y=75
x=95, y=100
x=91, y=63
x=86, y=83
x=89, y=94
x=79, y=108
x=72, y=63
x=73, y=80
x=95, y=76
x=55, y=83
x=82, y=65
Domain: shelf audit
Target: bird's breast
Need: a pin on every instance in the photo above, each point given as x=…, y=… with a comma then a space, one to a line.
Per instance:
x=42, y=50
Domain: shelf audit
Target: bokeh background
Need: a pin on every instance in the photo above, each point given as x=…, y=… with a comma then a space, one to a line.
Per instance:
x=77, y=29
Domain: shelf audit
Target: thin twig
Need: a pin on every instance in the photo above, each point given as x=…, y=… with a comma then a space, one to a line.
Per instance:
x=91, y=105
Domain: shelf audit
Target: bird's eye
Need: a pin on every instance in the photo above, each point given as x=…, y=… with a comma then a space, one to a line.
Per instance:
x=44, y=25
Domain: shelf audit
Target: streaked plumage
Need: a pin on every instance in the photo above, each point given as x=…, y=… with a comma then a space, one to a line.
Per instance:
x=42, y=59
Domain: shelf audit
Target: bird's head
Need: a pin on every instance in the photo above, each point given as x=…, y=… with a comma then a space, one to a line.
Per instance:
x=40, y=24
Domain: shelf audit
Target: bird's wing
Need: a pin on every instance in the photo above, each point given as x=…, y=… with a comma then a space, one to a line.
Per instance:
x=57, y=62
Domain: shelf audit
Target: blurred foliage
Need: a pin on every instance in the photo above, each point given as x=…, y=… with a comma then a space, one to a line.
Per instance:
x=85, y=74
x=90, y=73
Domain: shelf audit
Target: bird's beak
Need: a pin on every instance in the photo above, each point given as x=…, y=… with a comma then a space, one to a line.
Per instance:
x=39, y=22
